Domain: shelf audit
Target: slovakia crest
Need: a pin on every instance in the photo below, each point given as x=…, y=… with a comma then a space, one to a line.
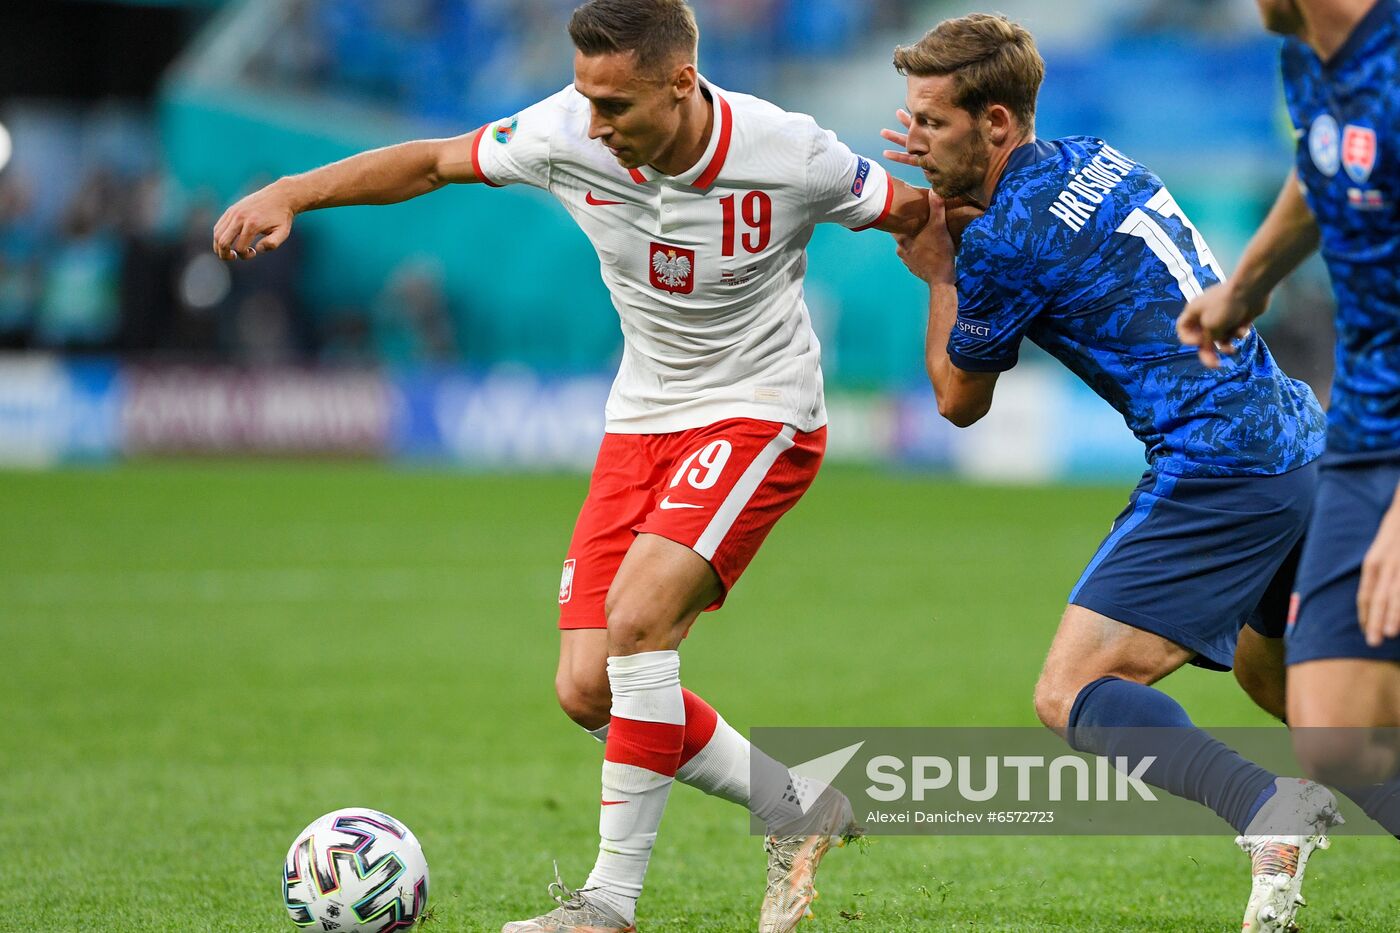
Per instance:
x=672, y=269
x=1324, y=145
x=505, y=132
x=1359, y=152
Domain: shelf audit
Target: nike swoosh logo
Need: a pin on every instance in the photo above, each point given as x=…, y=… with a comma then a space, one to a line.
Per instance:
x=666, y=503
x=596, y=202
x=613, y=803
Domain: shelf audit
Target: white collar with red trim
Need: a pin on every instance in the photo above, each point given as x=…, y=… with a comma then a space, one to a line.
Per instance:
x=705, y=171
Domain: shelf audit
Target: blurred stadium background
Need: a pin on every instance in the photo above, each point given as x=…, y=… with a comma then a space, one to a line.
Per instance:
x=471, y=327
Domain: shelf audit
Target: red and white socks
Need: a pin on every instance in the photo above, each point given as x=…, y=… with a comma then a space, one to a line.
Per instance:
x=718, y=760
x=644, y=744
x=714, y=758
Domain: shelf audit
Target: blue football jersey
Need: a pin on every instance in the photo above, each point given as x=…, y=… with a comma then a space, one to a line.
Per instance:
x=1084, y=252
x=1347, y=115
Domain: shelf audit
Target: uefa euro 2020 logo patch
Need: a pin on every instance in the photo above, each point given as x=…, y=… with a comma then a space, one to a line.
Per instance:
x=505, y=132
x=1325, y=144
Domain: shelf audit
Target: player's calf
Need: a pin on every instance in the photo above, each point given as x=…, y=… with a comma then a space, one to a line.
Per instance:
x=585, y=701
x=581, y=682
x=1260, y=671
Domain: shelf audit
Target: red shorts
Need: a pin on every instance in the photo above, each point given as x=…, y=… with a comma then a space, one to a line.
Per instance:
x=718, y=490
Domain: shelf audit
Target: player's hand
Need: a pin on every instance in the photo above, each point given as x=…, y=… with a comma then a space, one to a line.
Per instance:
x=259, y=223
x=1212, y=322
x=1378, y=597
x=900, y=155
x=929, y=254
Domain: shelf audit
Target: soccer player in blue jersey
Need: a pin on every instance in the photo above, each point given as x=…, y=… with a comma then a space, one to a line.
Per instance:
x=1084, y=252
x=1341, y=72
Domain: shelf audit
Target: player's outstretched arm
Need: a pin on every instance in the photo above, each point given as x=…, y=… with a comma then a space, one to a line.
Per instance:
x=1226, y=311
x=963, y=397
x=262, y=221
x=908, y=210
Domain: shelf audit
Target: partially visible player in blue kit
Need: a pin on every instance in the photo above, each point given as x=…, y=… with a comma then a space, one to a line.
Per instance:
x=1083, y=251
x=1341, y=75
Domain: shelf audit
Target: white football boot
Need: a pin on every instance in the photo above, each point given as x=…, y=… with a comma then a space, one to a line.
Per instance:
x=794, y=852
x=1280, y=839
x=576, y=913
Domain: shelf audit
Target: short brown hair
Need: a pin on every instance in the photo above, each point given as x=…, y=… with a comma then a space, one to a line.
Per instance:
x=992, y=61
x=658, y=31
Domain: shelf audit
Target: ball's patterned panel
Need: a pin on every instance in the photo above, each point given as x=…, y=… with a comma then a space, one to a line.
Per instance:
x=355, y=871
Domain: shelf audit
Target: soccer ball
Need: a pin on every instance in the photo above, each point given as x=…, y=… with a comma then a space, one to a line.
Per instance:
x=356, y=871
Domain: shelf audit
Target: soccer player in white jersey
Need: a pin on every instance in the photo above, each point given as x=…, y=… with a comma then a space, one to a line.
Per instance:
x=700, y=203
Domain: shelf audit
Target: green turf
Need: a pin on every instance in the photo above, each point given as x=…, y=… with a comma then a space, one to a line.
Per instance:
x=199, y=660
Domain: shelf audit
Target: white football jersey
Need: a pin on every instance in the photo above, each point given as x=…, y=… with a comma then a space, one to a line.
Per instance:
x=705, y=268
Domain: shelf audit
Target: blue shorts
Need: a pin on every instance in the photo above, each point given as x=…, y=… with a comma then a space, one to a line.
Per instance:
x=1351, y=499
x=1195, y=559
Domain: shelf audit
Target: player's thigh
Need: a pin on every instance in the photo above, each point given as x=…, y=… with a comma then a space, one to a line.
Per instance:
x=659, y=590
x=1344, y=715
x=1344, y=692
x=1093, y=645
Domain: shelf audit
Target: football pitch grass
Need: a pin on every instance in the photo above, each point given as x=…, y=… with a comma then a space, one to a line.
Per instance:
x=199, y=660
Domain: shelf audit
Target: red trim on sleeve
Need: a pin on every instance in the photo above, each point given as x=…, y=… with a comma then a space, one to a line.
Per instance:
x=889, y=203
x=476, y=157
x=726, y=129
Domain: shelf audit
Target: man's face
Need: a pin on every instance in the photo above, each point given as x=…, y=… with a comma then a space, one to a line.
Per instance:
x=1281, y=16
x=635, y=114
x=949, y=143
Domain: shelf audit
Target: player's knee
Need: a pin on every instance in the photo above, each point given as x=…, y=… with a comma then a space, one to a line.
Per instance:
x=585, y=700
x=1052, y=703
x=632, y=629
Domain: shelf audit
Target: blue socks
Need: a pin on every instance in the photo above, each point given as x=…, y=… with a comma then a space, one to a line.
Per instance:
x=1114, y=717
x=1381, y=802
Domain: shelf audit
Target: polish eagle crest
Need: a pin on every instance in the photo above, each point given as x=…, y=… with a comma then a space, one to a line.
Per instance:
x=671, y=269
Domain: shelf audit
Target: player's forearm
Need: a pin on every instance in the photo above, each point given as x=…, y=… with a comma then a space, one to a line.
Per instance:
x=942, y=313
x=1288, y=236
x=963, y=398
x=380, y=176
x=909, y=210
